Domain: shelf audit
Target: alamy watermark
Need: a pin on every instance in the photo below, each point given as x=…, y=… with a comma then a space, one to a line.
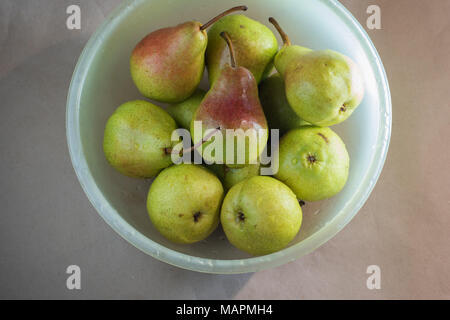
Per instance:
x=374, y=20
x=227, y=146
x=73, y=281
x=73, y=21
x=374, y=280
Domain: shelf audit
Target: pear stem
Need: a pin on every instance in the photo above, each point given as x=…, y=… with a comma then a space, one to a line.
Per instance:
x=227, y=38
x=284, y=36
x=223, y=14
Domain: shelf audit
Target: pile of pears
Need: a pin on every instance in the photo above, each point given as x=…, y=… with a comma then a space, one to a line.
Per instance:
x=253, y=85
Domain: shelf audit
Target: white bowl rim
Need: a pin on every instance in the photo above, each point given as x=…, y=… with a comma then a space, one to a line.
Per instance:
x=137, y=239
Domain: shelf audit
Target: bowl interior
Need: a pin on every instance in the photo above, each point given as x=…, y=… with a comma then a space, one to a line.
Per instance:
x=102, y=82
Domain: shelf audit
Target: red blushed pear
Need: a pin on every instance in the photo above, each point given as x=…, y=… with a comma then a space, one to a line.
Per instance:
x=167, y=65
x=232, y=103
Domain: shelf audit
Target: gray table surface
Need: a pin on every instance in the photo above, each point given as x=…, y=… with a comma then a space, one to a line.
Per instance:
x=47, y=223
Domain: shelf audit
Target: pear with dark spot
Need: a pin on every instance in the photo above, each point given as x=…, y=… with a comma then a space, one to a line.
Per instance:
x=137, y=137
x=260, y=215
x=184, y=203
x=323, y=87
x=313, y=162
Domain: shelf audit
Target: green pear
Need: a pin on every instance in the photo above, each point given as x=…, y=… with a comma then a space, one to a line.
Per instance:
x=184, y=203
x=183, y=112
x=231, y=107
x=313, y=162
x=167, y=64
x=260, y=215
x=323, y=87
x=231, y=176
x=254, y=43
x=137, y=139
x=278, y=112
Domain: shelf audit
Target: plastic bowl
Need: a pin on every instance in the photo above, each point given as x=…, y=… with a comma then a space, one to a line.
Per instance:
x=101, y=82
